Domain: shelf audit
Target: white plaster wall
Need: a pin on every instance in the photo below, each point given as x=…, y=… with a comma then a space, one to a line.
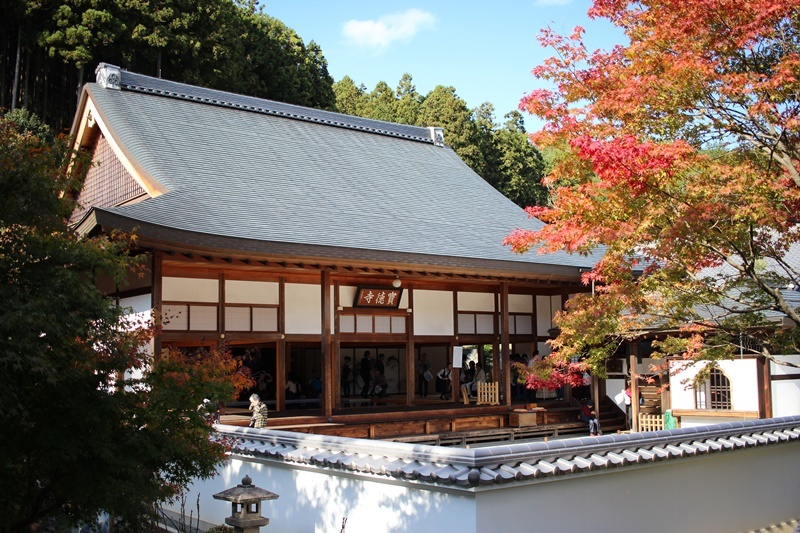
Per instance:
x=546, y=309
x=310, y=500
x=141, y=306
x=742, y=374
x=433, y=312
x=733, y=491
x=543, y=316
x=303, y=308
x=718, y=493
x=782, y=370
x=252, y=292
x=520, y=303
x=694, y=421
x=141, y=313
x=615, y=389
x=786, y=398
x=476, y=301
x=786, y=393
x=190, y=290
x=347, y=296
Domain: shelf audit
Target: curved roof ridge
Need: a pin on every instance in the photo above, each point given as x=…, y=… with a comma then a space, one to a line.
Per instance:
x=469, y=468
x=131, y=81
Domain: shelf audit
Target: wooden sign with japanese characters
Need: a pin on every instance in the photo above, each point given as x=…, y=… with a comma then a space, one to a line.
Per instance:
x=378, y=297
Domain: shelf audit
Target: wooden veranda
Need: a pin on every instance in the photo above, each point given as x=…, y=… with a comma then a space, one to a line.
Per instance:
x=440, y=423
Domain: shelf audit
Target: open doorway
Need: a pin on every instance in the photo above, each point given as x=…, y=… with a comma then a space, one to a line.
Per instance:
x=304, y=374
x=372, y=374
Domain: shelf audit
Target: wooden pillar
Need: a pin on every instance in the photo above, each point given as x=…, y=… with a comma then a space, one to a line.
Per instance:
x=567, y=388
x=336, y=351
x=329, y=385
x=221, y=307
x=157, y=284
x=505, y=357
x=280, y=356
x=634, y=384
x=764, y=380
x=411, y=364
x=280, y=374
x=596, y=395
x=455, y=376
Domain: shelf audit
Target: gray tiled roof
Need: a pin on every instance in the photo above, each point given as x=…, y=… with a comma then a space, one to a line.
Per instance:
x=505, y=463
x=245, y=171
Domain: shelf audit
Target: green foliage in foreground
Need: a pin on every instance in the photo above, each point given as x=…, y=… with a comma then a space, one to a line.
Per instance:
x=90, y=421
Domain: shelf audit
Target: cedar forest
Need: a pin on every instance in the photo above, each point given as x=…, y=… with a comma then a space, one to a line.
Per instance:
x=50, y=49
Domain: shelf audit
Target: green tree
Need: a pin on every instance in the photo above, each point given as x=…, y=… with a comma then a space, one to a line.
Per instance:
x=78, y=31
x=443, y=108
x=483, y=117
x=348, y=96
x=521, y=164
x=408, y=101
x=49, y=49
x=380, y=103
x=278, y=65
x=91, y=421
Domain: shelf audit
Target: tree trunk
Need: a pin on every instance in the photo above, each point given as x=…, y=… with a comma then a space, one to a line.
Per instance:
x=15, y=90
x=3, y=66
x=80, y=85
x=26, y=87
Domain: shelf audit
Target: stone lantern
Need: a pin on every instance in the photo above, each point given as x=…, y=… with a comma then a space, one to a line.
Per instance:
x=246, y=506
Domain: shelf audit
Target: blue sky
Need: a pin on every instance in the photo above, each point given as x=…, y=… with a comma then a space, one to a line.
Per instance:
x=485, y=50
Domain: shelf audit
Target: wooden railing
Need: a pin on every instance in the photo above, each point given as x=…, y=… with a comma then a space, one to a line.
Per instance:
x=651, y=422
x=488, y=394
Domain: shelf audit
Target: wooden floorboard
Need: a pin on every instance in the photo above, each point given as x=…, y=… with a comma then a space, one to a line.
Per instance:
x=430, y=421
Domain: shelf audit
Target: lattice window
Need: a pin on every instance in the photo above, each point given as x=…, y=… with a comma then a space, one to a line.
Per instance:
x=476, y=323
x=366, y=323
x=251, y=318
x=189, y=317
x=715, y=393
x=107, y=182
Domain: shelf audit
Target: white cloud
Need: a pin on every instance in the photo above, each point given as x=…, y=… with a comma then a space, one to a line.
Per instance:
x=379, y=34
x=544, y=3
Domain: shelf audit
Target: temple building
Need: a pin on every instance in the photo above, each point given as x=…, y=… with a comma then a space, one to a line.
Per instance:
x=299, y=237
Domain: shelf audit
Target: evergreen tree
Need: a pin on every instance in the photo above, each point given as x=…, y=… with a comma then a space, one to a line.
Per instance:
x=348, y=96
x=443, y=108
x=379, y=104
x=80, y=434
x=521, y=164
x=408, y=101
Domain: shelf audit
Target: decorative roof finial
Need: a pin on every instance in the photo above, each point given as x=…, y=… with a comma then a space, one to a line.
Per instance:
x=108, y=76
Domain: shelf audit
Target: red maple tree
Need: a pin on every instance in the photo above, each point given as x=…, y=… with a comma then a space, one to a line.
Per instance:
x=675, y=162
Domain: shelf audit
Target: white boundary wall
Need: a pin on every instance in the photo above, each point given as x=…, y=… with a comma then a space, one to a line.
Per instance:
x=738, y=491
